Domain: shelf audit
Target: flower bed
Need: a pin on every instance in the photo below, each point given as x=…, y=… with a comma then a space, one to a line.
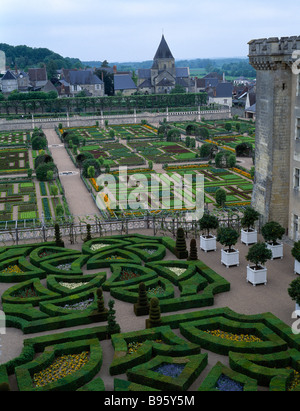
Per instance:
x=62, y=366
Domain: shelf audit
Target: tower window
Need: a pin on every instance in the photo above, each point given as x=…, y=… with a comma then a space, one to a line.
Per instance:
x=297, y=178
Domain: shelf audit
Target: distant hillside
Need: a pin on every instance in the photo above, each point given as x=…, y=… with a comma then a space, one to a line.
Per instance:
x=24, y=57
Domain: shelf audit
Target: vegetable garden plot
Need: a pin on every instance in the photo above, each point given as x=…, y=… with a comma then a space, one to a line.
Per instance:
x=14, y=161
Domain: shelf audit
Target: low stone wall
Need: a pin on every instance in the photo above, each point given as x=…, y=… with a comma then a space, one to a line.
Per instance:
x=77, y=121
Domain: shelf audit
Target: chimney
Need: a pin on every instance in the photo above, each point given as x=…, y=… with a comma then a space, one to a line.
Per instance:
x=115, y=69
x=224, y=80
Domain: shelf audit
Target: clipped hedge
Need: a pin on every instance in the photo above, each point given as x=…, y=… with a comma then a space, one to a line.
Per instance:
x=170, y=345
x=24, y=373
x=144, y=374
x=144, y=274
x=103, y=259
x=210, y=382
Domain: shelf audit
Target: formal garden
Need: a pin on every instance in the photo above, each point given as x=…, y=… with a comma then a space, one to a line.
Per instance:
x=163, y=282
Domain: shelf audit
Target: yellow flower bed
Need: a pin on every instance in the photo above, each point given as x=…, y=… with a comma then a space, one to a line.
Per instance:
x=12, y=269
x=243, y=173
x=234, y=337
x=60, y=368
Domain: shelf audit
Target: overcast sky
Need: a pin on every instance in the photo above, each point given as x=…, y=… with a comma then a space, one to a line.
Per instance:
x=130, y=30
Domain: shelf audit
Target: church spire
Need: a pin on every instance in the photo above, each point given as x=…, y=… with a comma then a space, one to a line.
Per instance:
x=163, y=51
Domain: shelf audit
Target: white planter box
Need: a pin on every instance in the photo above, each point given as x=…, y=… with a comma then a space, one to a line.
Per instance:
x=248, y=237
x=277, y=250
x=256, y=276
x=230, y=259
x=297, y=267
x=208, y=244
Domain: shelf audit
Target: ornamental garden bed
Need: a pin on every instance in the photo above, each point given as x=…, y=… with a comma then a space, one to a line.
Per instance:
x=260, y=350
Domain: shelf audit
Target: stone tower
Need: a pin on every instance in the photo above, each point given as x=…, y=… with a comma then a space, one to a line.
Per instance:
x=2, y=62
x=277, y=98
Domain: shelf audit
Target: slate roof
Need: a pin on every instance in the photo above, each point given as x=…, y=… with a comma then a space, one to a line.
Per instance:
x=182, y=72
x=9, y=76
x=251, y=109
x=163, y=51
x=80, y=77
x=224, y=90
x=144, y=73
x=123, y=82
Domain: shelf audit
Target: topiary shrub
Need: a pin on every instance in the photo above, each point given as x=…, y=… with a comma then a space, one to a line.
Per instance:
x=154, y=314
x=112, y=326
x=193, y=250
x=180, y=248
x=142, y=305
x=58, y=240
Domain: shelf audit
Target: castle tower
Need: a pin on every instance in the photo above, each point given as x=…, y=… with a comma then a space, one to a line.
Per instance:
x=276, y=146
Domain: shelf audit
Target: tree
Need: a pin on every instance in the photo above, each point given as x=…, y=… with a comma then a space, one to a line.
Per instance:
x=59, y=210
x=150, y=164
x=296, y=250
x=231, y=161
x=221, y=197
x=272, y=231
x=53, y=190
x=90, y=162
x=249, y=218
x=259, y=254
x=42, y=170
x=50, y=175
x=91, y=172
x=227, y=236
x=294, y=290
x=208, y=150
x=38, y=143
x=208, y=222
x=244, y=150
x=228, y=127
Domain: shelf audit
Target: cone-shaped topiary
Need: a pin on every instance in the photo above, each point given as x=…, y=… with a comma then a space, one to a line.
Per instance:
x=142, y=305
x=112, y=326
x=180, y=248
x=154, y=314
x=193, y=250
x=88, y=233
x=100, y=300
x=58, y=240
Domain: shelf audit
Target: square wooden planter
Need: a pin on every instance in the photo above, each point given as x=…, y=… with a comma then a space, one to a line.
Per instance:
x=277, y=250
x=248, y=237
x=297, y=267
x=230, y=258
x=256, y=276
x=208, y=243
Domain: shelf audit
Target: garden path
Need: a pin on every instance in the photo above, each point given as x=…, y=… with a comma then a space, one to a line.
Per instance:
x=78, y=198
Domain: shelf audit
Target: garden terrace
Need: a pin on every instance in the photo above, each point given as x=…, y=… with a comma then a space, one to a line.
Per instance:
x=57, y=289
x=14, y=161
x=14, y=138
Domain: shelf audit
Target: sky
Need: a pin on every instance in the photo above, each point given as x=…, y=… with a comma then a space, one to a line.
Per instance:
x=131, y=30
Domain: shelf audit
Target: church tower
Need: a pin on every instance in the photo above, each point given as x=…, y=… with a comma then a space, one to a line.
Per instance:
x=163, y=72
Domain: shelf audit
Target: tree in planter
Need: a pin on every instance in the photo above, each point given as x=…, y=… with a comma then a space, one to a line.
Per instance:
x=294, y=290
x=272, y=231
x=180, y=247
x=249, y=218
x=259, y=254
x=227, y=236
x=208, y=222
x=296, y=251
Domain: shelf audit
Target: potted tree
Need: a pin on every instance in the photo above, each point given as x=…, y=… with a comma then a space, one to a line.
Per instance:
x=294, y=293
x=208, y=222
x=272, y=232
x=248, y=232
x=258, y=255
x=228, y=236
x=296, y=255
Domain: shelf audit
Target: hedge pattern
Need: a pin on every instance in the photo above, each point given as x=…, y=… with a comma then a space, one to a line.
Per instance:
x=48, y=280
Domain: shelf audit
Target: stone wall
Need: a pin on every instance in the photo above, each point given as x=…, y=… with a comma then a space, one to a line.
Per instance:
x=78, y=121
